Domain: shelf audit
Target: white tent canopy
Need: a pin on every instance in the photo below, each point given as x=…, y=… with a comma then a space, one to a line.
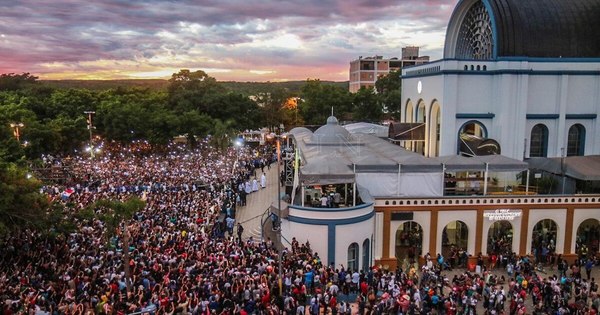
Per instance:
x=332, y=155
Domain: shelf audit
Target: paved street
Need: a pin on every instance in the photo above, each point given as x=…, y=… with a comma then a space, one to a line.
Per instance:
x=257, y=203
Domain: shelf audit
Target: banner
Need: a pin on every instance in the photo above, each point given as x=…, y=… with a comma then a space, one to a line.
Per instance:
x=296, y=174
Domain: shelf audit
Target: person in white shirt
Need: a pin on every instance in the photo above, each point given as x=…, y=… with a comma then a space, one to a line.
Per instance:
x=263, y=180
x=323, y=201
x=355, y=280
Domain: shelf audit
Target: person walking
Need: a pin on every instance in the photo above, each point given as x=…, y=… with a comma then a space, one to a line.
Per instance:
x=263, y=180
x=240, y=230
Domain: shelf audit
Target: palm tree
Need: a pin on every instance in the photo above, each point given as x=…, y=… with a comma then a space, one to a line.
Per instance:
x=222, y=134
x=115, y=213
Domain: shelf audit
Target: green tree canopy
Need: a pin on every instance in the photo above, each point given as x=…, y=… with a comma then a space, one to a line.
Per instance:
x=317, y=100
x=389, y=89
x=21, y=204
x=14, y=82
x=187, y=90
x=367, y=106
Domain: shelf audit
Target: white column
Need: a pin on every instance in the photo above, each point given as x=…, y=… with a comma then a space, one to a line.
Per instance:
x=398, y=181
x=527, y=184
x=485, y=179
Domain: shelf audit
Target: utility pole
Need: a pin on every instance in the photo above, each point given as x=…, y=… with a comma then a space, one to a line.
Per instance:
x=90, y=126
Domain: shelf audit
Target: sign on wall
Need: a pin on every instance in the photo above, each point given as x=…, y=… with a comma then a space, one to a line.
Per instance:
x=503, y=214
x=402, y=216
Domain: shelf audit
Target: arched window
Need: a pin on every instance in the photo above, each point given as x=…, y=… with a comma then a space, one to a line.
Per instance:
x=353, y=257
x=421, y=117
x=470, y=131
x=538, y=146
x=434, y=130
x=366, y=259
x=576, y=140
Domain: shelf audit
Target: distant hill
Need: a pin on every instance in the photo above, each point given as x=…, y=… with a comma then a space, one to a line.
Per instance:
x=246, y=88
x=107, y=84
x=252, y=88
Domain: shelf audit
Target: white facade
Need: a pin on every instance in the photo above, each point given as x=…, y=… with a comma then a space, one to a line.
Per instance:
x=508, y=98
x=331, y=231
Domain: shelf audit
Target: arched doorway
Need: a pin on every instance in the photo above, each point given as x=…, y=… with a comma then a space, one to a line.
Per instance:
x=366, y=251
x=353, y=257
x=409, y=118
x=455, y=237
x=543, y=240
x=500, y=238
x=588, y=236
x=409, y=243
x=434, y=130
x=421, y=117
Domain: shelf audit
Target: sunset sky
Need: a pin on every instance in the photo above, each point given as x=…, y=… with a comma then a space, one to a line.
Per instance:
x=241, y=40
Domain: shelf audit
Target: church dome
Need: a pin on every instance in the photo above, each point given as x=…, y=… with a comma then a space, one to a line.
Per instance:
x=490, y=29
x=331, y=132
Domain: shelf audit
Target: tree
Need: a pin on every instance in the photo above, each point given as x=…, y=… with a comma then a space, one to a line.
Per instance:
x=187, y=89
x=71, y=103
x=70, y=132
x=21, y=203
x=243, y=111
x=392, y=103
x=389, y=82
x=367, y=106
x=192, y=123
x=115, y=213
x=222, y=133
x=273, y=107
x=317, y=100
x=14, y=82
x=389, y=89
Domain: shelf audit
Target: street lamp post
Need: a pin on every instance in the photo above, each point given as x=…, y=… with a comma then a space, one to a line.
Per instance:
x=90, y=127
x=17, y=130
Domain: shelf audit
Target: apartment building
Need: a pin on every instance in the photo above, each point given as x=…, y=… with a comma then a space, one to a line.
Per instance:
x=364, y=72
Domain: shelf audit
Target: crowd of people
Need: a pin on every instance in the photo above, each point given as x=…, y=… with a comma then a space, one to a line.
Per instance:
x=188, y=255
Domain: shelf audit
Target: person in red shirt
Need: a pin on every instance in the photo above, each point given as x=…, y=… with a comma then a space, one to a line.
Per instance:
x=364, y=287
x=266, y=299
x=333, y=305
x=493, y=261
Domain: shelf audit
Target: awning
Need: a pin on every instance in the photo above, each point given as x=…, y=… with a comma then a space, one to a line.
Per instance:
x=407, y=131
x=326, y=170
x=471, y=145
x=500, y=163
x=458, y=163
x=578, y=167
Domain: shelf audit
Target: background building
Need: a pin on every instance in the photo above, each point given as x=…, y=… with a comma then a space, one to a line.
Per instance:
x=364, y=72
x=513, y=71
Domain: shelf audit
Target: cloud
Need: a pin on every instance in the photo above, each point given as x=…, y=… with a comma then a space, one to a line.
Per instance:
x=289, y=39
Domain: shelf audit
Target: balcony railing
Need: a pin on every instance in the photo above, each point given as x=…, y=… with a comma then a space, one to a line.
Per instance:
x=490, y=200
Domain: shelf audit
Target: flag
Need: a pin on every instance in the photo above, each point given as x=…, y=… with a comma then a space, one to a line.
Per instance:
x=67, y=193
x=296, y=175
